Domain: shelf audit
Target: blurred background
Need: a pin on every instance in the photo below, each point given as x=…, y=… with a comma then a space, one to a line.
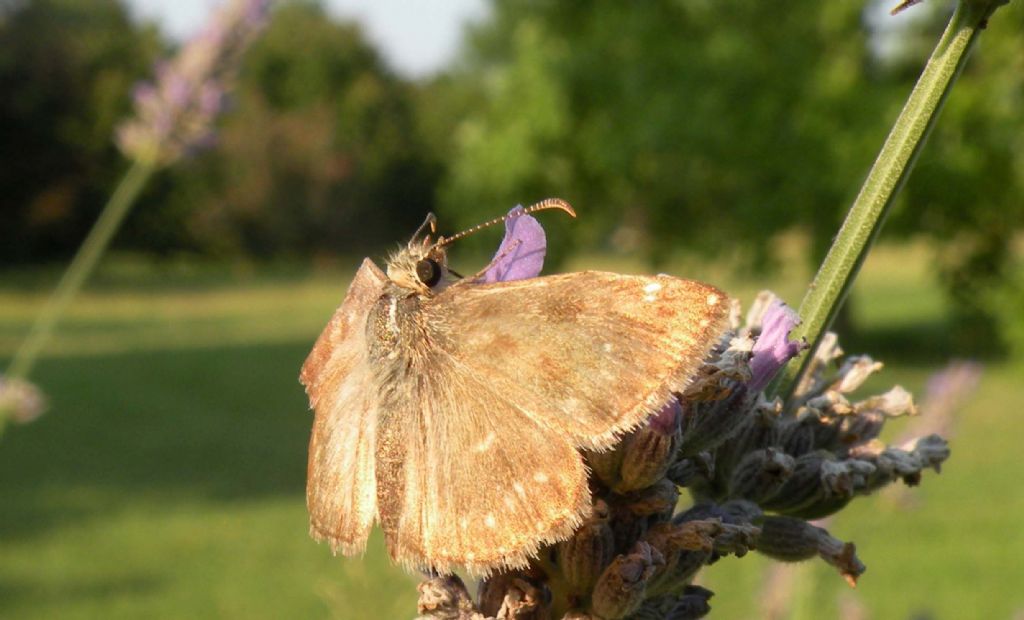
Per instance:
x=721, y=141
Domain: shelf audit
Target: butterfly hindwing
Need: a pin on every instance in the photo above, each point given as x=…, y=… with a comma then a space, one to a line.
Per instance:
x=341, y=485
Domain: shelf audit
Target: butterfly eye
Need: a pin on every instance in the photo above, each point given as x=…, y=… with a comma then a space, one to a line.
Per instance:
x=428, y=271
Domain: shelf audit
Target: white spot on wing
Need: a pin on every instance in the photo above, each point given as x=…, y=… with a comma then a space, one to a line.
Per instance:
x=540, y=477
x=489, y=521
x=486, y=444
x=607, y=347
x=651, y=291
x=713, y=299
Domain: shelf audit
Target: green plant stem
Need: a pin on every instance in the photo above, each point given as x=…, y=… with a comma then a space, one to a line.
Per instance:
x=865, y=218
x=82, y=265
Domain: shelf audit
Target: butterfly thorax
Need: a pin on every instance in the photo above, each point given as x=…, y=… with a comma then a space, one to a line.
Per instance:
x=401, y=341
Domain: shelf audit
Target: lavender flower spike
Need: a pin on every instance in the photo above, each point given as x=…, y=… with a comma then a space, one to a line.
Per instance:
x=521, y=253
x=175, y=114
x=773, y=349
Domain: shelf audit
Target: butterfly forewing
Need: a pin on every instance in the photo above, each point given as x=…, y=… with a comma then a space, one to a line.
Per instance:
x=589, y=355
x=341, y=486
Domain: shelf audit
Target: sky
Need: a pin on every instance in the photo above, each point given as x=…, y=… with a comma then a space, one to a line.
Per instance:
x=418, y=37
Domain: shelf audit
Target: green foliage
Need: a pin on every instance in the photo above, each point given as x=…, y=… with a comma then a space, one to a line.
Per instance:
x=683, y=124
x=66, y=71
x=967, y=187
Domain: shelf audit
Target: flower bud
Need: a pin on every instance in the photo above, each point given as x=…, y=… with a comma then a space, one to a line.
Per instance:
x=854, y=372
x=689, y=470
x=773, y=349
x=627, y=527
x=512, y=596
x=736, y=539
x=689, y=604
x=796, y=437
x=788, y=539
x=693, y=604
x=675, y=542
x=621, y=587
x=761, y=474
x=584, y=556
x=760, y=430
x=792, y=540
x=606, y=465
x=859, y=429
x=740, y=512
x=803, y=487
x=839, y=482
x=657, y=501
x=707, y=425
x=650, y=450
x=445, y=598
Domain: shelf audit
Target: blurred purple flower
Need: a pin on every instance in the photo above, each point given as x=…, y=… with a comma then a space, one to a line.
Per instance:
x=20, y=401
x=773, y=349
x=175, y=113
x=945, y=394
x=521, y=253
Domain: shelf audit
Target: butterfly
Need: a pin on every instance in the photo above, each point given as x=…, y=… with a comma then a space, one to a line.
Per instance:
x=451, y=409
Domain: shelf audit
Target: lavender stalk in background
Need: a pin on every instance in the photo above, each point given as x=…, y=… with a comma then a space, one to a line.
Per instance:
x=175, y=114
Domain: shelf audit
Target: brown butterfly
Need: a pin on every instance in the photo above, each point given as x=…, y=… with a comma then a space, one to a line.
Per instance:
x=452, y=411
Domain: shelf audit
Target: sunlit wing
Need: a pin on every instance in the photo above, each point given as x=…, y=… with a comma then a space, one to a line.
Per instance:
x=589, y=355
x=478, y=466
x=341, y=487
x=465, y=478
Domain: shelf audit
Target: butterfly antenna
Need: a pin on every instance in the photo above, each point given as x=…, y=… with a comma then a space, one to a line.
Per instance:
x=548, y=203
x=430, y=222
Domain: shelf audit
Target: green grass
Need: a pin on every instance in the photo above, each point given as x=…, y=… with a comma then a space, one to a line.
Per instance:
x=167, y=479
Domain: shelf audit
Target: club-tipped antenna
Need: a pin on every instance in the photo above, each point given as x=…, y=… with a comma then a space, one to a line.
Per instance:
x=547, y=203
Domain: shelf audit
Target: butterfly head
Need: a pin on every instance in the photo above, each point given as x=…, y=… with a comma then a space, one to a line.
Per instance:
x=422, y=265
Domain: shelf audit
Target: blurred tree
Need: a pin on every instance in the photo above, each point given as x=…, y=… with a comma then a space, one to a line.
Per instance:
x=696, y=126
x=322, y=154
x=966, y=191
x=674, y=122
x=322, y=151
x=66, y=72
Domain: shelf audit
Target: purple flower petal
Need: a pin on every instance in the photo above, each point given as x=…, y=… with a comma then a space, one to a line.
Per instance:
x=668, y=419
x=521, y=253
x=773, y=349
